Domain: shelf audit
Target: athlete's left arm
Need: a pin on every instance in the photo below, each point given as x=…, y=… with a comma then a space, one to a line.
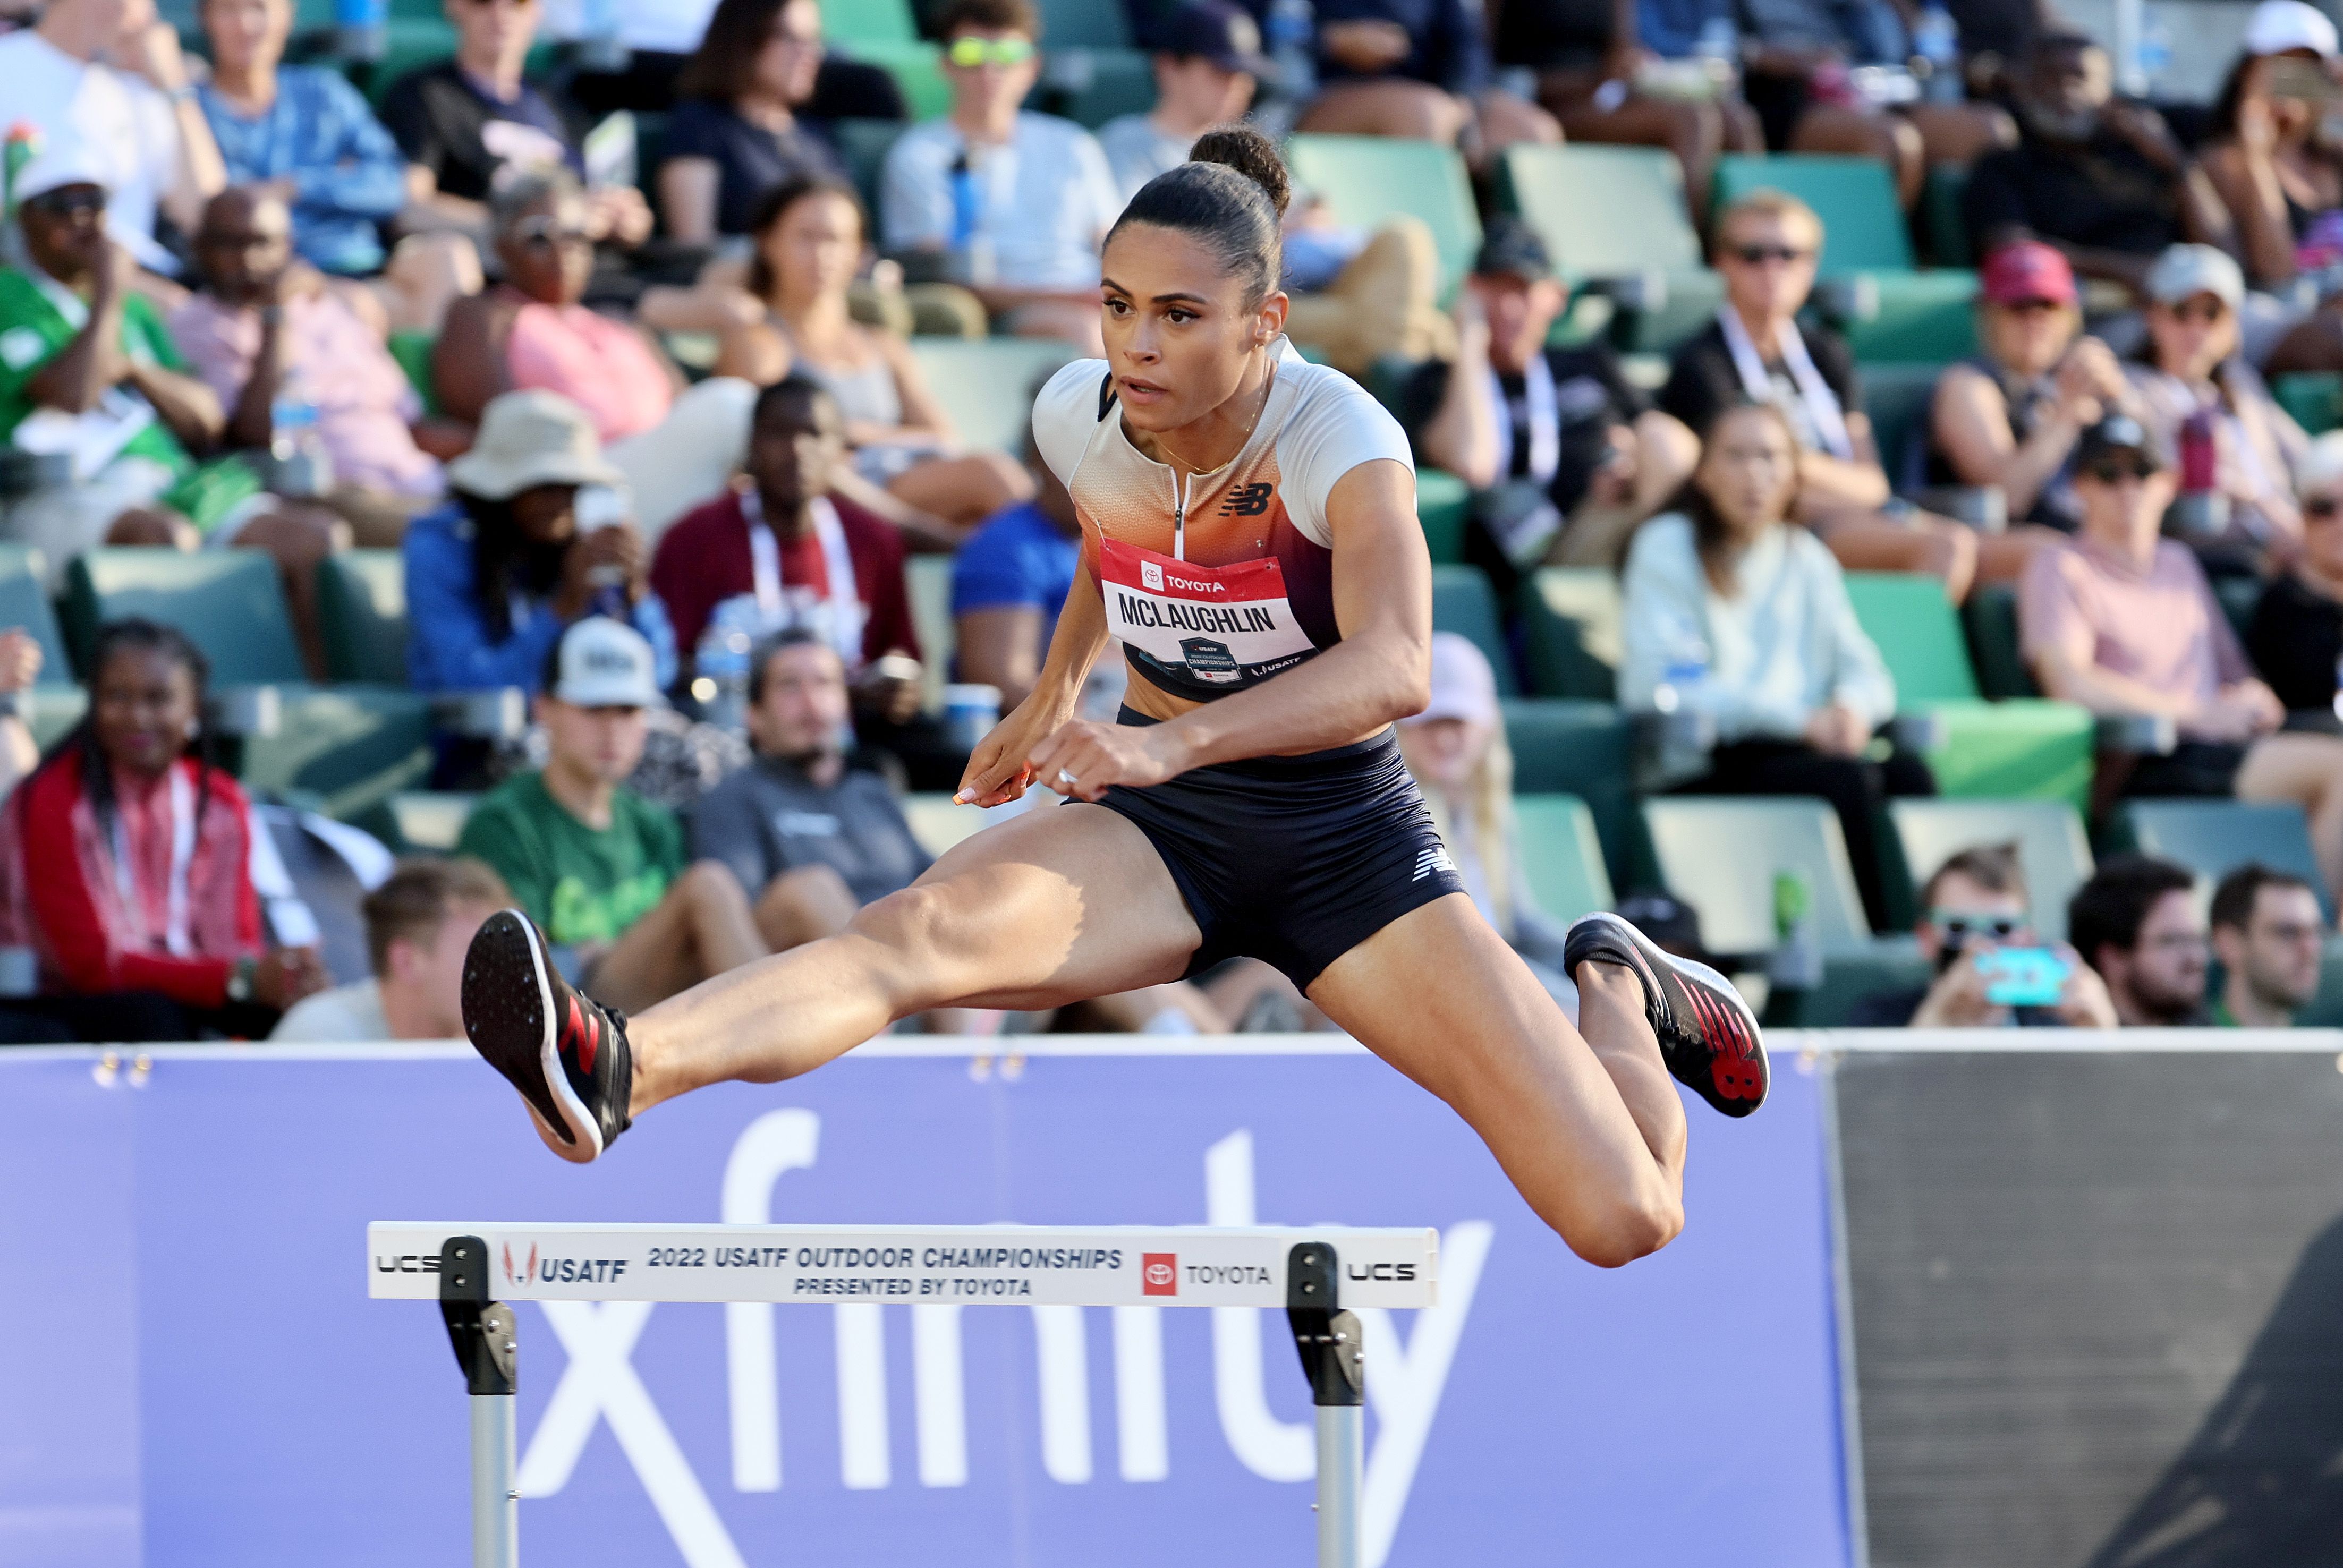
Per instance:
x=1380, y=671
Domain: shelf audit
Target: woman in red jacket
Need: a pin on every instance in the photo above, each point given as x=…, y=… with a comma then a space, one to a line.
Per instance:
x=133, y=858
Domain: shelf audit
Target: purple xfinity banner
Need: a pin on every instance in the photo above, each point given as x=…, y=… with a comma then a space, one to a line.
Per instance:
x=192, y=1374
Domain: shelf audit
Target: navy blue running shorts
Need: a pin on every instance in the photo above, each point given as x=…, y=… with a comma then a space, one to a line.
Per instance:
x=1293, y=860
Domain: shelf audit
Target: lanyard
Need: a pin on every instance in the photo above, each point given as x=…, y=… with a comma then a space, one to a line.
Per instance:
x=1544, y=419
x=845, y=606
x=183, y=856
x=1821, y=403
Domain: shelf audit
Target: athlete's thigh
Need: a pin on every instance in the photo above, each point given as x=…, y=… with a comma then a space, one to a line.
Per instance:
x=1060, y=904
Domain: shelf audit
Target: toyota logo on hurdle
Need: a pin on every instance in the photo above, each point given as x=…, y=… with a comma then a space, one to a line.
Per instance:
x=1159, y=1273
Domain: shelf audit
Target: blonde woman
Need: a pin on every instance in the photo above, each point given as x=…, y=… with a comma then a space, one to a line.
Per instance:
x=1456, y=749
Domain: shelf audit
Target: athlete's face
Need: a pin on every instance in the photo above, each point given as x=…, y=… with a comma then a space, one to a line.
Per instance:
x=1179, y=330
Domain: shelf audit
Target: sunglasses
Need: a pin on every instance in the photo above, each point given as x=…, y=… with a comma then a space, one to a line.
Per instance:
x=67, y=201
x=2323, y=507
x=968, y=54
x=2207, y=310
x=2117, y=473
x=546, y=231
x=1759, y=254
x=1956, y=929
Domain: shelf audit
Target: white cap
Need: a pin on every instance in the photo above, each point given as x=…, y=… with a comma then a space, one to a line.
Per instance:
x=2184, y=271
x=529, y=438
x=1462, y=684
x=65, y=160
x=2281, y=26
x=606, y=663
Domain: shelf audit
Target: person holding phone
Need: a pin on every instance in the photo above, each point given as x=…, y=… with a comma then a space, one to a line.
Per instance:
x=1992, y=971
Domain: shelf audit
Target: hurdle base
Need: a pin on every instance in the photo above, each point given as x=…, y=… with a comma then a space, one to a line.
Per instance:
x=1334, y=1358
x=488, y=1348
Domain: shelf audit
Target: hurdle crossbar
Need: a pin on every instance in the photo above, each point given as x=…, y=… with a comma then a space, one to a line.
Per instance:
x=1317, y=1274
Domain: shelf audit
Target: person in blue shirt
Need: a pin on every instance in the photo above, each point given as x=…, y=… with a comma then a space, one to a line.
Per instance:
x=1008, y=582
x=497, y=575
x=307, y=135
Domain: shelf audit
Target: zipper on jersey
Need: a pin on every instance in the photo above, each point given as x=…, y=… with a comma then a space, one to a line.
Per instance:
x=1182, y=493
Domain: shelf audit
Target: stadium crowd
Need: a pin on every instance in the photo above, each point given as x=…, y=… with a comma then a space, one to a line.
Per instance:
x=622, y=352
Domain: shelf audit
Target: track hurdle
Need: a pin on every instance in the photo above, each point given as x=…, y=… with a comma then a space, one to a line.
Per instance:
x=474, y=1271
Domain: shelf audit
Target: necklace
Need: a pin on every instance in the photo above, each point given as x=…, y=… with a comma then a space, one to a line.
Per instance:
x=1267, y=382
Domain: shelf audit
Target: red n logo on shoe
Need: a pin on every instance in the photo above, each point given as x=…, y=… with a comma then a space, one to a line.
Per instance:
x=589, y=1040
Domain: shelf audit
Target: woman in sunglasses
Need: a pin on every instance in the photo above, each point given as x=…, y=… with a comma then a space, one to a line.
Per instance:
x=2236, y=448
x=2296, y=636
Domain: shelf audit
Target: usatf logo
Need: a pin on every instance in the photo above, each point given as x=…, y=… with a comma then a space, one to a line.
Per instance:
x=1246, y=501
x=1159, y=1273
x=528, y=1266
x=1150, y=576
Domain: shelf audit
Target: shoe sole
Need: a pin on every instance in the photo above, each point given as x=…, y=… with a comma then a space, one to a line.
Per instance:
x=569, y=1130
x=1652, y=953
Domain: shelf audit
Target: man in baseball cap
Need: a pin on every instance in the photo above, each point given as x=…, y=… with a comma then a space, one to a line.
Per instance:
x=600, y=868
x=1208, y=62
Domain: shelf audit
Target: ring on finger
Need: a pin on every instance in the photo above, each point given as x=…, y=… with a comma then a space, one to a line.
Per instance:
x=1067, y=779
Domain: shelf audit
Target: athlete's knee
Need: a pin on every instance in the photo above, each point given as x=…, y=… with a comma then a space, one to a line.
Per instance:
x=909, y=932
x=1631, y=1226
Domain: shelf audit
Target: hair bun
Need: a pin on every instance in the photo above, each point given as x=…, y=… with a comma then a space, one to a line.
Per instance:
x=1252, y=154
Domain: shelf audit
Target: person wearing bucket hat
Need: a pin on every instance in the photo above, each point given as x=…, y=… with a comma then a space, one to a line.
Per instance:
x=514, y=558
x=2268, y=152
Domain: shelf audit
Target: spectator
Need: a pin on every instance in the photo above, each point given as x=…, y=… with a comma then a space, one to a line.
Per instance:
x=2296, y=636
x=1416, y=68
x=88, y=369
x=1208, y=62
x=809, y=237
x=104, y=81
x=1017, y=203
x=2136, y=922
x=1456, y=749
x=1008, y=582
x=1567, y=455
x=1794, y=686
x=2269, y=937
x=133, y=862
x=1767, y=247
x=304, y=132
x=497, y=576
x=2122, y=622
x=418, y=924
x=734, y=138
x=2270, y=153
x=1971, y=907
x=463, y=122
x=2100, y=178
x=600, y=870
x=676, y=448
x=20, y=665
x=2010, y=417
x=2188, y=380
x=265, y=330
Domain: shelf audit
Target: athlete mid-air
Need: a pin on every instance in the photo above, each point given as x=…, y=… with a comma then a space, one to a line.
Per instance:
x=1250, y=536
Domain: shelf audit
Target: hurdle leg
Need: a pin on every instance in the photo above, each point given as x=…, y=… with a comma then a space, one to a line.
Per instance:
x=486, y=1347
x=1334, y=1359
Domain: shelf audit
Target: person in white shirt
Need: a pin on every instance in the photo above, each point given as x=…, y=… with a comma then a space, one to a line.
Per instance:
x=1018, y=201
x=108, y=74
x=1736, y=613
x=1208, y=62
x=419, y=923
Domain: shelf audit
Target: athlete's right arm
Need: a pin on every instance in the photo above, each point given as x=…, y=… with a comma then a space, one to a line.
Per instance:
x=996, y=772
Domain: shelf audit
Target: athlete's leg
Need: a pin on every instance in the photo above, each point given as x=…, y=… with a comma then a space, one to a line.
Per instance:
x=1585, y=1120
x=1058, y=905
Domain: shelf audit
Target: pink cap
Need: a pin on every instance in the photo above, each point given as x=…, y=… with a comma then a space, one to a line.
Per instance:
x=2029, y=270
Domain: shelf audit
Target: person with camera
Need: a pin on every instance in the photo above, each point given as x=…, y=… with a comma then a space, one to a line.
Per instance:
x=1992, y=971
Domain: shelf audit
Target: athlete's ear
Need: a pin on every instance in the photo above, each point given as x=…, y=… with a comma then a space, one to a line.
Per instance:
x=1271, y=319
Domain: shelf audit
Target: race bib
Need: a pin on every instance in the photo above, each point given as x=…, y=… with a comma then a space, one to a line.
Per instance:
x=1198, y=631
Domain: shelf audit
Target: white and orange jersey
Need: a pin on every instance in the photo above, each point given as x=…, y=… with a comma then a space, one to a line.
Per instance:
x=1220, y=582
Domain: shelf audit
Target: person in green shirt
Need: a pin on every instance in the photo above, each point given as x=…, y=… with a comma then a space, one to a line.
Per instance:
x=88, y=370
x=601, y=869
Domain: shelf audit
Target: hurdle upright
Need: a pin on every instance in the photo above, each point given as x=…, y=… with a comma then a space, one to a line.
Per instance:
x=473, y=1269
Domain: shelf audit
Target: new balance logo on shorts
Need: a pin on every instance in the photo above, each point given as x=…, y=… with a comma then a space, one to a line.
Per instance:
x=1430, y=860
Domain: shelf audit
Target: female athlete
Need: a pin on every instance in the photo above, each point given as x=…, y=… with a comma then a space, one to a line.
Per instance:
x=1249, y=534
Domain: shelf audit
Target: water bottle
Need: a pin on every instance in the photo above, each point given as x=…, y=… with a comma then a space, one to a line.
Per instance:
x=1936, y=55
x=970, y=712
x=361, y=29
x=721, y=661
x=2155, y=55
x=599, y=48
x=972, y=240
x=1718, y=47
x=298, y=465
x=1796, y=961
x=1687, y=730
x=1293, y=44
x=2200, y=510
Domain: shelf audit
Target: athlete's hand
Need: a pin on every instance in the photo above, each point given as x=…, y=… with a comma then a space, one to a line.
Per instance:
x=997, y=773
x=1080, y=759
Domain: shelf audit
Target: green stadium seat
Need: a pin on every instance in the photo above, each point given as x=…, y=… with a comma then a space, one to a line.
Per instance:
x=2315, y=399
x=1571, y=628
x=24, y=605
x=412, y=352
x=362, y=610
x=1847, y=979
x=1921, y=316
x=1990, y=619
x=2049, y=834
x=229, y=602
x=862, y=147
x=1443, y=504
x=987, y=383
x=2238, y=596
x=2214, y=838
x=1561, y=855
x=2027, y=747
x=1720, y=854
x=1582, y=748
x=1368, y=179
x=1091, y=86
x=917, y=67
x=846, y=22
x=1463, y=602
x=1896, y=395
x=928, y=581
x=347, y=746
x=1087, y=23
x=1645, y=230
x=1940, y=216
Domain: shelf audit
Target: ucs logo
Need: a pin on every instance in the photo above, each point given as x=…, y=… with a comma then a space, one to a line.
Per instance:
x=1379, y=1270
x=1159, y=1273
x=408, y=1263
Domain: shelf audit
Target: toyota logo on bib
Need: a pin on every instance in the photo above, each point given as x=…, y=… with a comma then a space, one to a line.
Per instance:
x=1159, y=1273
x=1150, y=576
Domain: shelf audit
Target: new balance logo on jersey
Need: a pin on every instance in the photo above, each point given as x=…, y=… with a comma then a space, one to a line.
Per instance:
x=1246, y=501
x=1430, y=860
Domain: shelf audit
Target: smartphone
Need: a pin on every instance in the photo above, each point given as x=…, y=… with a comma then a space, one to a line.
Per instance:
x=2023, y=976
